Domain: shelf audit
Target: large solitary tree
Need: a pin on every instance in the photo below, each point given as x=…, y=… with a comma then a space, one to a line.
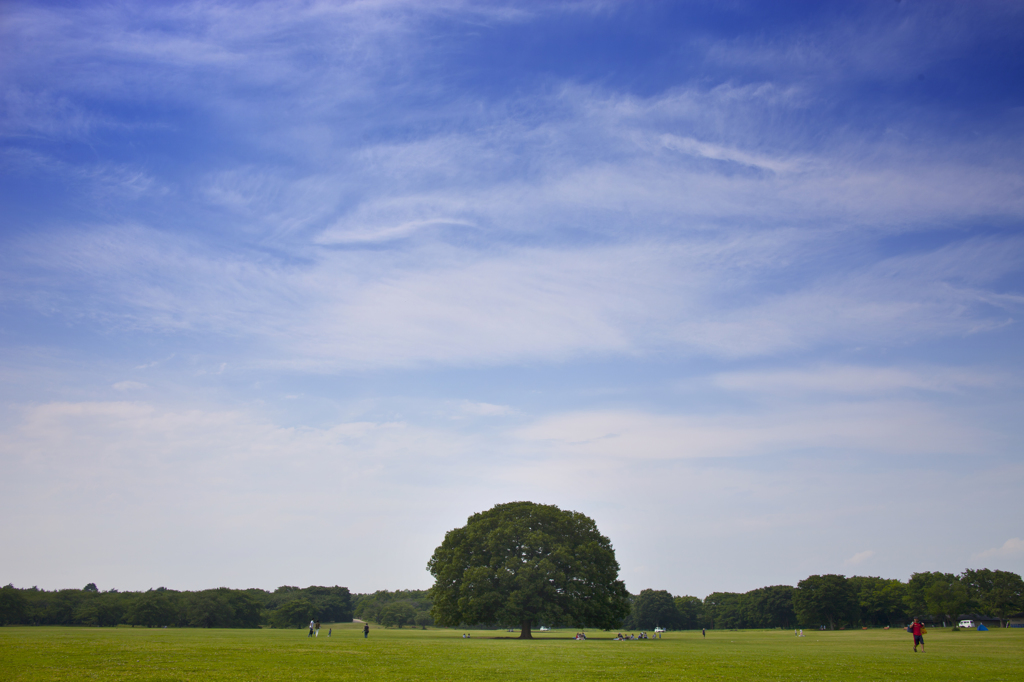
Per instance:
x=524, y=564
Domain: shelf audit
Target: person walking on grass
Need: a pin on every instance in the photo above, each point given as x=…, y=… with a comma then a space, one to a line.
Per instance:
x=311, y=624
x=366, y=630
x=917, y=629
x=318, y=628
x=704, y=633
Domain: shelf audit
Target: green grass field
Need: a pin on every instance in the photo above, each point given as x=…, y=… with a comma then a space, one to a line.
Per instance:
x=51, y=653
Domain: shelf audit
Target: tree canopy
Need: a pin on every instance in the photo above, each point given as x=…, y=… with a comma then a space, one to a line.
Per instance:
x=653, y=609
x=936, y=593
x=525, y=564
x=394, y=608
x=217, y=608
x=1000, y=593
x=691, y=612
x=827, y=599
x=770, y=606
x=850, y=601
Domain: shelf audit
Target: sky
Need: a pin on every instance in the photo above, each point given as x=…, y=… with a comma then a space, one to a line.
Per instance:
x=290, y=289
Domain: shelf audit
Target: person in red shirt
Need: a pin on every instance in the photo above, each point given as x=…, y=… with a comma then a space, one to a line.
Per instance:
x=915, y=629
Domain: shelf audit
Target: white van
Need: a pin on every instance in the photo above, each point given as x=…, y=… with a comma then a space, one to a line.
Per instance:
x=656, y=630
x=966, y=624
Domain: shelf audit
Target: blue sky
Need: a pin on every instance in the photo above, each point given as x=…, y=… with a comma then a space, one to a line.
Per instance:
x=290, y=289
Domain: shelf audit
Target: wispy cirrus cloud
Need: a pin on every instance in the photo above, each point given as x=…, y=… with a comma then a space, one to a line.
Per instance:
x=450, y=305
x=688, y=145
x=870, y=46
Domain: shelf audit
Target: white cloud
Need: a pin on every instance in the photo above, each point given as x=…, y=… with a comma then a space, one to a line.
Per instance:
x=129, y=386
x=897, y=428
x=859, y=380
x=437, y=304
x=220, y=484
x=688, y=145
x=859, y=558
x=384, y=233
x=900, y=40
x=486, y=409
x=1011, y=548
x=205, y=481
x=572, y=228
x=155, y=363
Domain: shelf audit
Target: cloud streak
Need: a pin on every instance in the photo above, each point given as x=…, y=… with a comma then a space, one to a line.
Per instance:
x=439, y=304
x=859, y=558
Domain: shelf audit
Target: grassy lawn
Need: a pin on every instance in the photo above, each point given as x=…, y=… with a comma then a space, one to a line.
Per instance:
x=52, y=653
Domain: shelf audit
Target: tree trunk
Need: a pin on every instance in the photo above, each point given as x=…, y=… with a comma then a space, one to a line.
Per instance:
x=525, y=632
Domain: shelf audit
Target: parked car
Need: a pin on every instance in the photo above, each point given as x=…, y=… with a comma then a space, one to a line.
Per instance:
x=966, y=624
x=660, y=630
x=544, y=628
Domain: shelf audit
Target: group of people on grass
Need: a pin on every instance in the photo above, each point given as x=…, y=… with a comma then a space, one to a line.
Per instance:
x=314, y=629
x=916, y=628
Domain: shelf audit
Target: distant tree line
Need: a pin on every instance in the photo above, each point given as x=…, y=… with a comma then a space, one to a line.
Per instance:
x=400, y=608
x=836, y=601
x=833, y=601
x=285, y=607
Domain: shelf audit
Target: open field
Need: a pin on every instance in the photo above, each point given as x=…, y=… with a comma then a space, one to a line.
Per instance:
x=55, y=653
